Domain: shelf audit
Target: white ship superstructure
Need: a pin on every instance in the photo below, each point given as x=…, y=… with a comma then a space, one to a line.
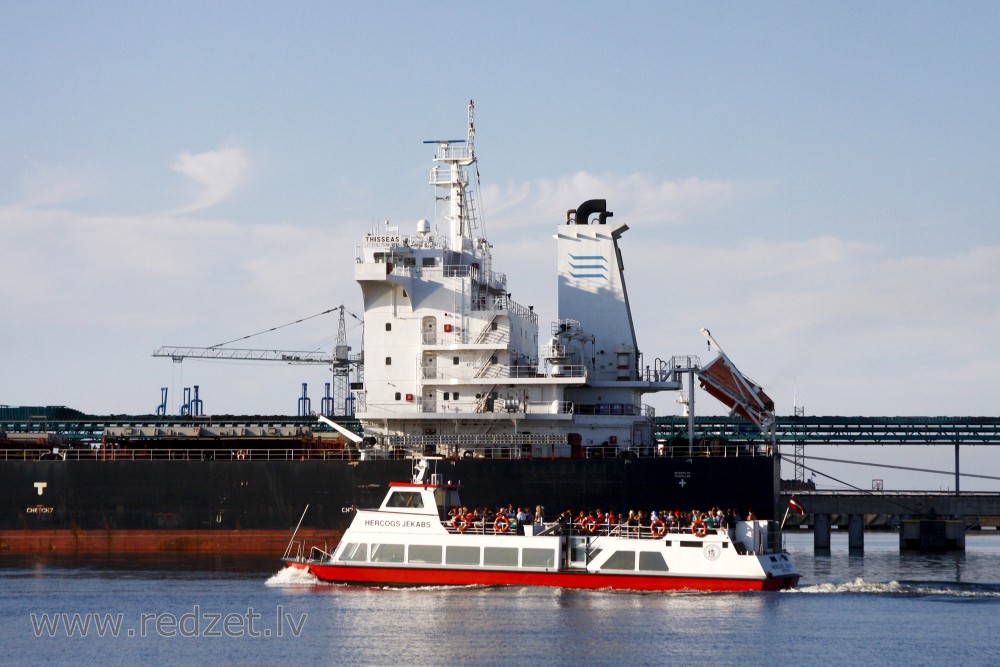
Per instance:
x=454, y=366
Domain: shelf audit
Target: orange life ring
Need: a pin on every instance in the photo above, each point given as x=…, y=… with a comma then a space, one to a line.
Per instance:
x=459, y=523
x=589, y=525
x=699, y=528
x=658, y=528
x=502, y=524
x=241, y=454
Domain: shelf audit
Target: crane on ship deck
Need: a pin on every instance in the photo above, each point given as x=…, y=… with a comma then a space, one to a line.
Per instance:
x=340, y=360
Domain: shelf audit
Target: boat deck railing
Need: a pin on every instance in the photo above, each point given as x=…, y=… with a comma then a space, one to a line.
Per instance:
x=488, y=527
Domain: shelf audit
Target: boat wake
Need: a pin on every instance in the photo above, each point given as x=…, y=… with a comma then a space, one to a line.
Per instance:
x=906, y=589
x=292, y=576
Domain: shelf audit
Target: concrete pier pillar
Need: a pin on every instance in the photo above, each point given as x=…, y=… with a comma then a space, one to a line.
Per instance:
x=856, y=532
x=821, y=532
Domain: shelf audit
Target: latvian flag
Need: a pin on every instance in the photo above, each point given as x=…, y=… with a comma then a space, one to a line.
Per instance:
x=796, y=505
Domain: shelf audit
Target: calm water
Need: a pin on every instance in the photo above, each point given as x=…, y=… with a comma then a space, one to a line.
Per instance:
x=882, y=607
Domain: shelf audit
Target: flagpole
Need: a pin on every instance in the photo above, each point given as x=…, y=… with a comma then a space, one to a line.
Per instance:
x=784, y=518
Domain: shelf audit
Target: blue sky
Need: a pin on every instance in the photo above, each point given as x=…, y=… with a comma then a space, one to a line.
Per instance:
x=814, y=182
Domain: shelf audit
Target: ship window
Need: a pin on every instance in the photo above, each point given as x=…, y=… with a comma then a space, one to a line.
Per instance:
x=427, y=261
x=425, y=553
x=454, y=361
x=388, y=326
x=354, y=552
x=446, y=395
x=652, y=561
x=538, y=558
x=387, y=553
x=398, y=396
x=388, y=361
x=493, y=326
x=454, y=395
x=500, y=556
x=405, y=499
x=462, y=556
x=620, y=560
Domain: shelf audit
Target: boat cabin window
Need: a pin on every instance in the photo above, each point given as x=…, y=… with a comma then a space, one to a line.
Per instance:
x=387, y=553
x=354, y=552
x=500, y=556
x=462, y=556
x=652, y=561
x=405, y=499
x=425, y=553
x=427, y=261
x=538, y=558
x=620, y=560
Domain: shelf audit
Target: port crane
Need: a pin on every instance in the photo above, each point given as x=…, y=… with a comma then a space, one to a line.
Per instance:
x=340, y=360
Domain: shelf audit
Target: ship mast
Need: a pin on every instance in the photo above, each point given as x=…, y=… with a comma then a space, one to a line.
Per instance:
x=449, y=175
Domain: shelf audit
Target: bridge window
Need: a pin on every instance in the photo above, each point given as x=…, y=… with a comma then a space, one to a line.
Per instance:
x=405, y=499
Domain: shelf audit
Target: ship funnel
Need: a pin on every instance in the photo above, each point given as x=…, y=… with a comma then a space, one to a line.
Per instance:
x=591, y=206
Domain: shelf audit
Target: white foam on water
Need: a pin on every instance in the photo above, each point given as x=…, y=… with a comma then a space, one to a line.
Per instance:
x=859, y=585
x=292, y=576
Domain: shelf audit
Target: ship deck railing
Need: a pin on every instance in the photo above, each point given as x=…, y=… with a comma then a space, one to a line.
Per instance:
x=486, y=446
x=182, y=454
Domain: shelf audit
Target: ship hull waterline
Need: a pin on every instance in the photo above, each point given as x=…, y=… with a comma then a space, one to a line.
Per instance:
x=401, y=577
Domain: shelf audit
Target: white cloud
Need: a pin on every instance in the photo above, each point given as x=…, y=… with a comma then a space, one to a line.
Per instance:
x=639, y=197
x=219, y=173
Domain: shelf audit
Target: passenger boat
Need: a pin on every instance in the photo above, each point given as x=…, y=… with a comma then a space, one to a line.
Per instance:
x=411, y=540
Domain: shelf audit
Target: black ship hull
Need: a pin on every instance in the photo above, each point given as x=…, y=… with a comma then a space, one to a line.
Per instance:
x=254, y=505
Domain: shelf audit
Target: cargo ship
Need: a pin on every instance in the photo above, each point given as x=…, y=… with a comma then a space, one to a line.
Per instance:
x=453, y=368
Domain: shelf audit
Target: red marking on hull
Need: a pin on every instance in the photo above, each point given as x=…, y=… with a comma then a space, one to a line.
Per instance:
x=255, y=542
x=393, y=576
